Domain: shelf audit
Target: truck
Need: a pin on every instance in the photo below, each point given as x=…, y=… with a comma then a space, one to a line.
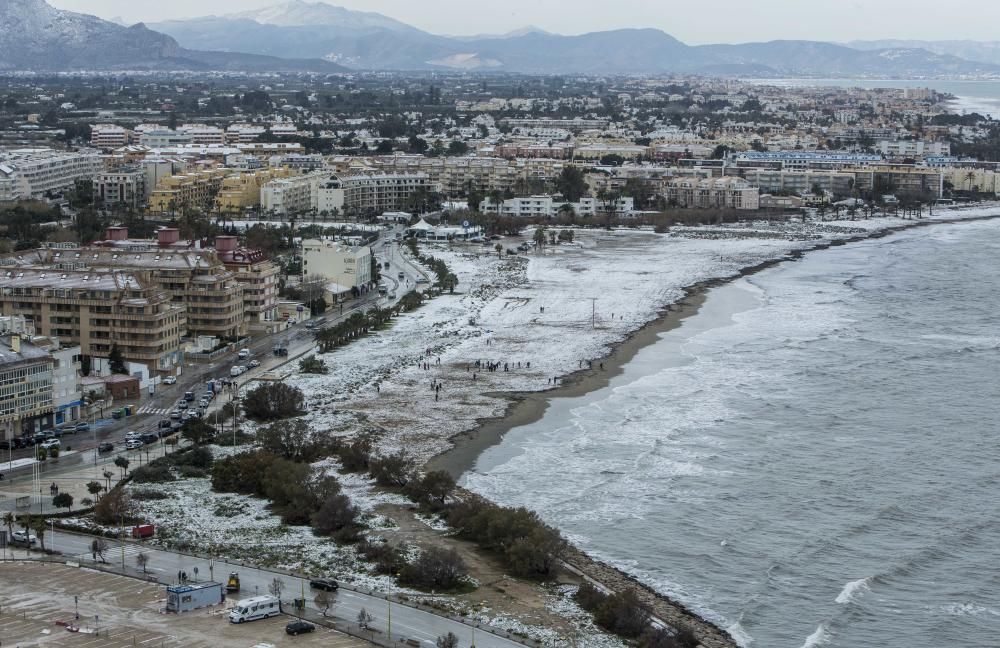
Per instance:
x=233, y=583
x=141, y=531
x=254, y=608
x=280, y=350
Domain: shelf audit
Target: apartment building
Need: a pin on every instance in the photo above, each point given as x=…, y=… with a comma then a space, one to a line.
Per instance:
x=455, y=175
x=122, y=187
x=108, y=137
x=26, y=403
x=372, y=193
x=242, y=191
x=293, y=195
x=194, y=190
x=267, y=149
x=346, y=267
x=572, y=125
x=259, y=278
x=973, y=179
x=913, y=148
x=713, y=193
x=899, y=180
x=598, y=151
x=96, y=309
x=523, y=150
x=163, y=137
x=802, y=160
x=33, y=172
x=202, y=134
x=838, y=183
x=546, y=206
x=244, y=133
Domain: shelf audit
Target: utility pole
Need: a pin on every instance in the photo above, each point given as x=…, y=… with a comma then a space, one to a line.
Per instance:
x=593, y=312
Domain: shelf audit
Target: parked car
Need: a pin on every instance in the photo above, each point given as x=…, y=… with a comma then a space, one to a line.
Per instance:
x=48, y=444
x=133, y=444
x=188, y=397
x=235, y=371
x=203, y=403
x=254, y=364
x=244, y=353
x=401, y=275
x=170, y=380
x=150, y=437
x=164, y=424
x=299, y=627
x=107, y=446
x=422, y=280
x=280, y=351
x=132, y=434
x=82, y=427
x=327, y=584
x=193, y=413
x=24, y=538
x=176, y=414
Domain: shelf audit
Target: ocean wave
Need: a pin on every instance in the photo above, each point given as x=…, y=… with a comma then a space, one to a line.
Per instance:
x=818, y=638
x=853, y=590
x=968, y=609
x=743, y=638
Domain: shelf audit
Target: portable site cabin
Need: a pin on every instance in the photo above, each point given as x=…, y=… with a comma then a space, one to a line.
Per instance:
x=184, y=598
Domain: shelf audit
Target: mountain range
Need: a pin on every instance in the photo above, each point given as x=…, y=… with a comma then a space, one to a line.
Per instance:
x=36, y=36
x=365, y=40
x=298, y=35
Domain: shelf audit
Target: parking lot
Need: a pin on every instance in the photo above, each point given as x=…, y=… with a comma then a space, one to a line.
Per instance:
x=37, y=600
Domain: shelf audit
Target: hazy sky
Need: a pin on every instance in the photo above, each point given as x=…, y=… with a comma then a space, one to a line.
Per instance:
x=717, y=21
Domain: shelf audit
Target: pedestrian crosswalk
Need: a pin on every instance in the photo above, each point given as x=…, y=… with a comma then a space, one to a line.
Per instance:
x=149, y=409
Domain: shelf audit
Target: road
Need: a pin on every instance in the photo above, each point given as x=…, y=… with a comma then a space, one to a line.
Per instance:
x=407, y=622
x=297, y=338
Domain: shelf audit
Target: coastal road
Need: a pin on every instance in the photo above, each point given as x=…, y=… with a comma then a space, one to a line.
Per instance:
x=407, y=622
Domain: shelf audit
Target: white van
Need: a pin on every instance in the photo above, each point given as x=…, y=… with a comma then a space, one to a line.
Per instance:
x=251, y=609
x=234, y=371
x=244, y=353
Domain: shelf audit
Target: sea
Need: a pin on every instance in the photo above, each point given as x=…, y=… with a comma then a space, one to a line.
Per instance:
x=979, y=96
x=812, y=459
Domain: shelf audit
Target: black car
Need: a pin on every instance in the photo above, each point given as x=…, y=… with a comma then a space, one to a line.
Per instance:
x=106, y=447
x=299, y=627
x=164, y=424
x=150, y=437
x=327, y=584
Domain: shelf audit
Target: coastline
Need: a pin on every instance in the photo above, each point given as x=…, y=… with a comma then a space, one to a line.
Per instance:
x=526, y=408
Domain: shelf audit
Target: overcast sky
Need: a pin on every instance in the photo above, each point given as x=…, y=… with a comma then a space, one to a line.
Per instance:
x=718, y=21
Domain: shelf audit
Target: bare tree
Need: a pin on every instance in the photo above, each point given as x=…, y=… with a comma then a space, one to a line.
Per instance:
x=323, y=601
x=141, y=560
x=364, y=618
x=276, y=586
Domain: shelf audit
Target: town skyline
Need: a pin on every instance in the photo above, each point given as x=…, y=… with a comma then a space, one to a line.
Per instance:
x=735, y=22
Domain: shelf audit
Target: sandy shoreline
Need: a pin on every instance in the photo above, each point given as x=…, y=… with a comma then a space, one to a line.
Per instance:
x=525, y=408
x=529, y=407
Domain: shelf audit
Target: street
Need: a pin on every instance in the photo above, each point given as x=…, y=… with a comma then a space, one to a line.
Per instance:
x=407, y=622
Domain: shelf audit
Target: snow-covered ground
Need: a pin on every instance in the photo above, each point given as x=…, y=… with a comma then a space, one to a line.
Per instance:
x=553, y=309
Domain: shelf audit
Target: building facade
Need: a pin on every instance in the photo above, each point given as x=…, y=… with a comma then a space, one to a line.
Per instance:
x=31, y=173
x=26, y=402
x=345, y=266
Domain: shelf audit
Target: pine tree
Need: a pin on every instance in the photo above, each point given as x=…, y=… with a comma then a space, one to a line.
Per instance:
x=115, y=360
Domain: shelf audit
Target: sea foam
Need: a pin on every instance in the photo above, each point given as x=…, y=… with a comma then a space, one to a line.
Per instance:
x=852, y=590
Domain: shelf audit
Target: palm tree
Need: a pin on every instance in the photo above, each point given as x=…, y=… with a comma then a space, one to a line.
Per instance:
x=38, y=526
x=8, y=521
x=539, y=237
x=969, y=177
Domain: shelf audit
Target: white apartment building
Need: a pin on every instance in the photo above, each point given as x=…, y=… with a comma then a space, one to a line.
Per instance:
x=31, y=173
x=67, y=399
x=109, y=136
x=913, y=148
x=546, y=206
x=344, y=266
x=376, y=193
x=293, y=195
x=454, y=175
x=163, y=137
x=244, y=133
x=202, y=134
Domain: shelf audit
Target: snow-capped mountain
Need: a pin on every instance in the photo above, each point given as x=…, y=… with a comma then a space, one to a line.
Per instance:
x=300, y=13
x=36, y=36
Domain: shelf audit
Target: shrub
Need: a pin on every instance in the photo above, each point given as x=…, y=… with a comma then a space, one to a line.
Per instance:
x=149, y=495
x=152, y=474
x=192, y=472
x=386, y=558
x=354, y=456
x=313, y=365
x=436, y=568
x=661, y=638
x=292, y=439
x=197, y=431
x=619, y=613
x=63, y=500
x=273, y=401
x=527, y=545
x=394, y=470
x=334, y=515
x=433, y=488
